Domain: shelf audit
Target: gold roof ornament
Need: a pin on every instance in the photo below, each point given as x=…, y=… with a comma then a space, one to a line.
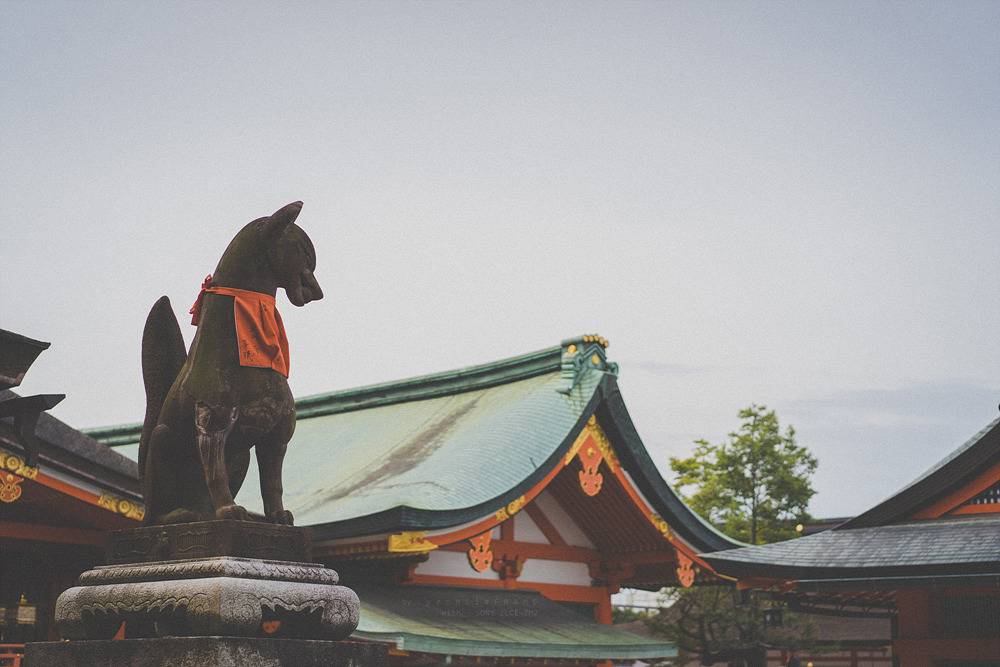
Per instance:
x=414, y=541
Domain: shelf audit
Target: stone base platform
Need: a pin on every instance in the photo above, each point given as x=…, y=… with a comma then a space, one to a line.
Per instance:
x=236, y=597
x=210, y=578
x=206, y=652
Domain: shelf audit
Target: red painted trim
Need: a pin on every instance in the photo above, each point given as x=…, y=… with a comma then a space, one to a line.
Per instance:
x=507, y=529
x=502, y=515
x=61, y=534
x=990, y=508
x=75, y=492
x=648, y=511
x=488, y=523
x=983, y=481
x=548, y=530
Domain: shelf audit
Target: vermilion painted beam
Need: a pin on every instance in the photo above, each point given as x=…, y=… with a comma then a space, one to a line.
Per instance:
x=507, y=529
x=990, y=508
x=455, y=541
x=985, y=480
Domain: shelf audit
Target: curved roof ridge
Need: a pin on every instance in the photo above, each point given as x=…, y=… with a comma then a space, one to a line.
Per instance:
x=432, y=385
x=947, y=473
x=442, y=383
x=689, y=524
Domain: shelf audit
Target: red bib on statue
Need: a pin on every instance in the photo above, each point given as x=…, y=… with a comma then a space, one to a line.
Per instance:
x=260, y=333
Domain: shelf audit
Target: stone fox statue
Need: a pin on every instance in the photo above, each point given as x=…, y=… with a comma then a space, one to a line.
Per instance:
x=207, y=408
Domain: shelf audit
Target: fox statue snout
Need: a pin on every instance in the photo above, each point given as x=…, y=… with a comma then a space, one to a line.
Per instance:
x=292, y=256
x=305, y=290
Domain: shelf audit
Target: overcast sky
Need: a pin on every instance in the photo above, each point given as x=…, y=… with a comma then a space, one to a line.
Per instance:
x=792, y=204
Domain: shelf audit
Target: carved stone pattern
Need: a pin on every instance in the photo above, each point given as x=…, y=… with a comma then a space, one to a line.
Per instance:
x=209, y=539
x=223, y=606
x=214, y=567
x=147, y=604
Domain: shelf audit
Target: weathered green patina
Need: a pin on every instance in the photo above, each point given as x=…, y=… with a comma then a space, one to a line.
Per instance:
x=445, y=449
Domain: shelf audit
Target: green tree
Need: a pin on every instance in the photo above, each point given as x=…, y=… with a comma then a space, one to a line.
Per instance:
x=756, y=485
x=719, y=624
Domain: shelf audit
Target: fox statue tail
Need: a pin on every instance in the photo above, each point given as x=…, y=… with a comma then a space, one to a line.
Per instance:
x=162, y=357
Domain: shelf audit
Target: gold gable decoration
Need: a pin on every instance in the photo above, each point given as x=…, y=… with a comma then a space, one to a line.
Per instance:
x=414, y=541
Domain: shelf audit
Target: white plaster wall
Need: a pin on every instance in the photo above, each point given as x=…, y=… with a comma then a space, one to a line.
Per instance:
x=541, y=571
x=451, y=564
x=554, y=512
x=526, y=530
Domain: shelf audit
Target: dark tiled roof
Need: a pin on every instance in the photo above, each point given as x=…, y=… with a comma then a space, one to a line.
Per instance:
x=71, y=452
x=966, y=545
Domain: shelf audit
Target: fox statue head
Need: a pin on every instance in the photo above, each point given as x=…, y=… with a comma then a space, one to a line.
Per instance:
x=291, y=255
x=271, y=253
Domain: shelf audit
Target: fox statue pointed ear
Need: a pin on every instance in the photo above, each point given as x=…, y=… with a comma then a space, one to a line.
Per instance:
x=280, y=220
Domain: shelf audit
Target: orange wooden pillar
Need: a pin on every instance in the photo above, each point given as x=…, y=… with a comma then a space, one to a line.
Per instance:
x=602, y=611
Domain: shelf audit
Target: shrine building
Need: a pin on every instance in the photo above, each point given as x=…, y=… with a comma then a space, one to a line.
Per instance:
x=61, y=492
x=483, y=515
x=928, y=558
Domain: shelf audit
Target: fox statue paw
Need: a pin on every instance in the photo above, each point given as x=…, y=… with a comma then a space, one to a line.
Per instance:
x=235, y=512
x=284, y=518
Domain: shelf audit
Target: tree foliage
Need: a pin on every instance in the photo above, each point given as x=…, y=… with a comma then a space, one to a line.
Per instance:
x=721, y=624
x=756, y=485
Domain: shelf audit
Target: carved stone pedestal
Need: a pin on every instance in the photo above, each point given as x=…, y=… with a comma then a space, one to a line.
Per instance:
x=234, y=597
x=215, y=588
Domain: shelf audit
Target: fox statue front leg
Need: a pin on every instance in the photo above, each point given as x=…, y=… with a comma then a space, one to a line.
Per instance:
x=270, y=457
x=212, y=452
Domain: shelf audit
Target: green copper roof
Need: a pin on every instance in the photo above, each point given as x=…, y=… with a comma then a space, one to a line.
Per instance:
x=437, y=454
x=510, y=624
x=445, y=449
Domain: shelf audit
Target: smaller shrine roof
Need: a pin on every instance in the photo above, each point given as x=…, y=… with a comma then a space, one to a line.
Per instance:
x=74, y=454
x=903, y=536
x=979, y=451
x=509, y=624
x=968, y=544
